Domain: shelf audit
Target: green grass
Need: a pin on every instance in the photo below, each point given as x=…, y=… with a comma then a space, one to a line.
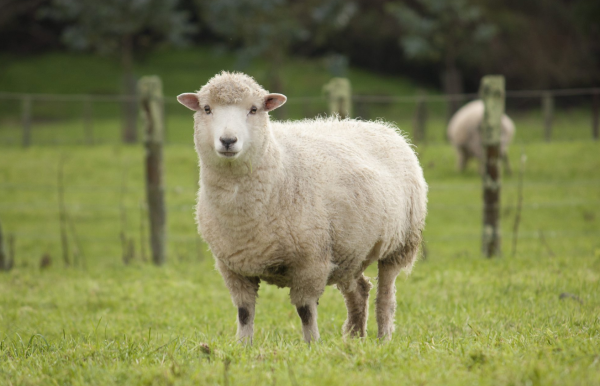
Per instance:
x=461, y=319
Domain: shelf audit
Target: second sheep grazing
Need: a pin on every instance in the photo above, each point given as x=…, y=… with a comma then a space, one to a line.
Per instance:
x=303, y=204
x=464, y=134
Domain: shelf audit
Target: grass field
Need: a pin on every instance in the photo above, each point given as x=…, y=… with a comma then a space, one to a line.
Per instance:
x=528, y=319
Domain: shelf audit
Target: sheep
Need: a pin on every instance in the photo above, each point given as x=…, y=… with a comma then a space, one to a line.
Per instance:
x=464, y=134
x=303, y=204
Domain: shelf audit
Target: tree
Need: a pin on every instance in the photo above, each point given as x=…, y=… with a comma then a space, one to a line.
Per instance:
x=122, y=28
x=11, y=9
x=544, y=44
x=443, y=31
x=19, y=18
x=270, y=28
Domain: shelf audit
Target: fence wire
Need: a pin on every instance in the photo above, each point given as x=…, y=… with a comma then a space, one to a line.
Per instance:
x=53, y=119
x=56, y=119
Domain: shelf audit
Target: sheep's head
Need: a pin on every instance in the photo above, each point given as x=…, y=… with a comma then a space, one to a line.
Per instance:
x=231, y=119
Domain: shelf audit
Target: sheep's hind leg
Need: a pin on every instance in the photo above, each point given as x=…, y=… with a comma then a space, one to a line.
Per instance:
x=462, y=157
x=389, y=268
x=386, y=297
x=357, y=303
x=244, y=291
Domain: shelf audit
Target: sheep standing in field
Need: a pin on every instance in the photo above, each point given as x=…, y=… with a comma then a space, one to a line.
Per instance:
x=303, y=204
x=464, y=134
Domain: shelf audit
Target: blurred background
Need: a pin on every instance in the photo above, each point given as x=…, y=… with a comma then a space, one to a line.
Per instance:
x=82, y=301
x=75, y=60
x=69, y=100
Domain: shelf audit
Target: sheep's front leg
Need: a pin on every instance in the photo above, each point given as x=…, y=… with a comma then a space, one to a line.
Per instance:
x=308, y=316
x=307, y=287
x=244, y=291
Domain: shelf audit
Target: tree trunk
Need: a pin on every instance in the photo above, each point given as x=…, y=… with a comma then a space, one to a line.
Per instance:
x=420, y=118
x=595, y=114
x=548, y=112
x=452, y=84
x=275, y=82
x=129, y=107
x=5, y=260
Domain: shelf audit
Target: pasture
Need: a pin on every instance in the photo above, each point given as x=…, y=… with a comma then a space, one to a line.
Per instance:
x=88, y=99
x=524, y=319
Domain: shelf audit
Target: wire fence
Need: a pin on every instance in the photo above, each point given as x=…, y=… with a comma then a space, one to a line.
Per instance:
x=106, y=216
x=54, y=119
x=102, y=214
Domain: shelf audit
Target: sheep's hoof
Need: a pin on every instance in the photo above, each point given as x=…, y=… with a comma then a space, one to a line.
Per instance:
x=384, y=338
x=245, y=341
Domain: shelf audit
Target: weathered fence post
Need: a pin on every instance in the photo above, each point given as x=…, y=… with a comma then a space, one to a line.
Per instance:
x=595, y=113
x=88, y=120
x=420, y=119
x=548, y=111
x=151, y=100
x=493, y=95
x=6, y=261
x=26, y=117
x=339, y=96
x=62, y=212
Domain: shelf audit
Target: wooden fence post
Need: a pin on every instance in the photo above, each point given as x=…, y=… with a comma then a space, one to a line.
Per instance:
x=26, y=117
x=339, y=95
x=6, y=262
x=548, y=111
x=62, y=211
x=595, y=113
x=88, y=120
x=151, y=100
x=420, y=119
x=492, y=93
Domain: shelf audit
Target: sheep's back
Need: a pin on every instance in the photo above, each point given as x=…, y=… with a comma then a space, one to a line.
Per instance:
x=465, y=123
x=463, y=129
x=363, y=143
x=366, y=174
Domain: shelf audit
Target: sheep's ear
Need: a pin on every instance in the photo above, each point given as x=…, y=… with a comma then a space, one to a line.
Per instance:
x=189, y=100
x=273, y=101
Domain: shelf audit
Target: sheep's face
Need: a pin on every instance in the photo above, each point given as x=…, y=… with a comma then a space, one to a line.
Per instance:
x=229, y=132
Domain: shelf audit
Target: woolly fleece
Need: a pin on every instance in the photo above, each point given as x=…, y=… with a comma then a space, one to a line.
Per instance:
x=311, y=203
x=463, y=133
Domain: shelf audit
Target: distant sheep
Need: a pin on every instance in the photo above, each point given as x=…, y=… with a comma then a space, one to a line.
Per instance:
x=303, y=204
x=464, y=134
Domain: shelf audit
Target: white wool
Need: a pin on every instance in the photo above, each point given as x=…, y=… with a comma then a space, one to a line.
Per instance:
x=311, y=203
x=464, y=133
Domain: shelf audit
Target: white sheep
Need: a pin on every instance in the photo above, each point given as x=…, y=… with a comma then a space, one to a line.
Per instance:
x=464, y=134
x=303, y=204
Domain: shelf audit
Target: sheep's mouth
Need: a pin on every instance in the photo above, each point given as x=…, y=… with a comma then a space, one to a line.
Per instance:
x=228, y=154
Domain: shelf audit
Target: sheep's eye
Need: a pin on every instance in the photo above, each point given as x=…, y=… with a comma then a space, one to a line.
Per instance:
x=207, y=109
x=253, y=110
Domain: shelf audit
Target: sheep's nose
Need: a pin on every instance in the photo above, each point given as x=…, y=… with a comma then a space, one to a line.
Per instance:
x=228, y=141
